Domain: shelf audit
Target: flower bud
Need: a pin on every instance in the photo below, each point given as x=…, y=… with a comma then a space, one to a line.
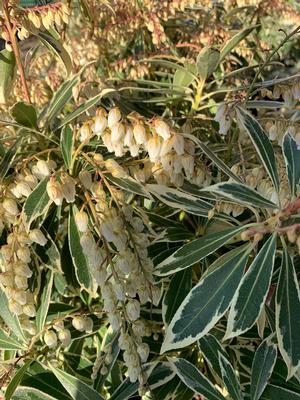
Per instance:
x=139, y=133
x=114, y=116
x=36, y=236
x=10, y=206
x=143, y=351
x=21, y=282
x=133, y=310
x=82, y=220
x=162, y=129
x=68, y=189
x=15, y=307
x=117, y=133
x=55, y=192
x=23, y=254
x=100, y=123
x=178, y=144
x=20, y=297
x=23, y=188
x=79, y=323
x=64, y=336
x=86, y=179
x=29, y=310
x=50, y=339
x=88, y=324
x=85, y=132
x=41, y=169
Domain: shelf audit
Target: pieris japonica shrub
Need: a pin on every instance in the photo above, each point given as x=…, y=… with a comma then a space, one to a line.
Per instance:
x=149, y=200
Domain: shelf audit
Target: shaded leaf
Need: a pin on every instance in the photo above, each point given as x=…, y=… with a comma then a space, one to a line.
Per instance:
x=291, y=154
x=9, y=343
x=210, y=347
x=287, y=314
x=195, y=380
x=14, y=383
x=261, y=143
x=8, y=159
x=179, y=287
x=262, y=367
x=24, y=114
x=11, y=320
x=7, y=73
x=42, y=311
x=67, y=145
x=230, y=379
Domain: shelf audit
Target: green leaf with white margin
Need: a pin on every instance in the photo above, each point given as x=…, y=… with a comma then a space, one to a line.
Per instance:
x=261, y=143
x=57, y=48
x=262, y=367
x=195, y=380
x=252, y=292
x=8, y=158
x=42, y=312
x=191, y=253
x=291, y=152
x=235, y=40
x=273, y=392
x=287, y=312
x=210, y=348
x=180, y=285
x=37, y=203
x=77, y=389
x=9, y=343
x=11, y=320
x=241, y=194
x=230, y=379
x=26, y=393
x=179, y=200
x=79, y=259
x=14, y=383
x=130, y=185
x=61, y=97
x=206, y=303
x=67, y=144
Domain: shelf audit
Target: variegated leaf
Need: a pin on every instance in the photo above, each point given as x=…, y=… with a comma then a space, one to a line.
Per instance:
x=230, y=379
x=261, y=143
x=241, y=194
x=180, y=200
x=195, y=251
x=291, y=154
x=195, y=380
x=210, y=348
x=288, y=314
x=251, y=294
x=179, y=287
x=262, y=367
x=205, y=304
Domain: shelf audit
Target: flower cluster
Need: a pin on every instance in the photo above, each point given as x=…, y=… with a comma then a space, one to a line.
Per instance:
x=171, y=156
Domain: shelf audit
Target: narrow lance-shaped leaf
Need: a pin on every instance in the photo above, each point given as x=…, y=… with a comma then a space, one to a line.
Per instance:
x=262, y=367
x=11, y=320
x=291, y=152
x=195, y=380
x=180, y=200
x=234, y=41
x=7, y=73
x=240, y=194
x=77, y=389
x=67, y=144
x=192, y=252
x=252, y=292
x=279, y=393
x=42, y=312
x=205, y=304
x=288, y=314
x=14, y=383
x=210, y=348
x=9, y=343
x=261, y=142
x=180, y=285
x=8, y=159
x=230, y=379
x=27, y=393
x=79, y=259
x=37, y=203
